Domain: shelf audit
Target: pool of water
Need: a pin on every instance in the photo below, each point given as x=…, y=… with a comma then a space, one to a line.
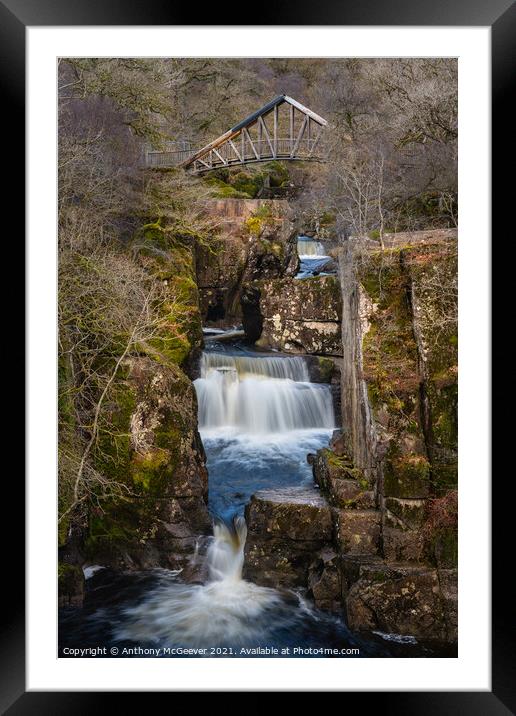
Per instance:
x=259, y=418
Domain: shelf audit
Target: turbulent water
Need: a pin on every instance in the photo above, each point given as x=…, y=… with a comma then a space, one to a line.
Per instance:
x=259, y=416
x=225, y=610
x=154, y=614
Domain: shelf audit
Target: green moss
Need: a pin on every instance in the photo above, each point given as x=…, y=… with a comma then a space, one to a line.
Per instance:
x=406, y=475
x=70, y=579
x=326, y=368
x=170, y=259
x=106, y=531
x=275, y=248
x=113, y=448
x=254, y=225
x=151, y=472
x=237, y=183
x=220, y=189
x=345, y=467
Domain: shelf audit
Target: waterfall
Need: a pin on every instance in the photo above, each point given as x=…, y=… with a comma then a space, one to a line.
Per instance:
x=225, y=610
x=259, y=416
x=308, y=248
x=225, y=556
x=247, y=366
x=260, y=395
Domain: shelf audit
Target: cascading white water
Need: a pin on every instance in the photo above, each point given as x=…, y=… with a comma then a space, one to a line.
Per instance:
x=309, y=248
x=261, y=395
x=227, y=609
x=258, y=417
x=226, y=553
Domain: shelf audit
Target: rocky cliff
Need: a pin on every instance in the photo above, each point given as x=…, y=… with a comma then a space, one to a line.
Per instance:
x=300, y=316
x=384, y=548
x=256, y=241
x=148, y=444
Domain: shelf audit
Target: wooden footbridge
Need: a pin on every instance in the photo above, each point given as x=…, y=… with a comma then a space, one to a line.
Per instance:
x=282, y=129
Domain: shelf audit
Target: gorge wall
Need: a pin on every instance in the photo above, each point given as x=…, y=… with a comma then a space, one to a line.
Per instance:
x=378, y=539
x=256, y=241
x=148, y=445
x=375, y=536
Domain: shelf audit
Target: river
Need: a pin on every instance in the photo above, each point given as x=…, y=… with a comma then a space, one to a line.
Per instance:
x=259, y=417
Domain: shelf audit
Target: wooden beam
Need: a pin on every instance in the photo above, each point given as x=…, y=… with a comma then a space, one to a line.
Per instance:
x=263, y=127
x=224, y=161
x=251, y=142
x=306, y=111
x=275, y=130
x=291, y=110
x=230, y=141
x=315, y=142
x=299, y=136
x=202, y=152
x=260, y=136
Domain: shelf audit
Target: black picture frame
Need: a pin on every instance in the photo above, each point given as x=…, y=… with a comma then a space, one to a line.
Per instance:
x=500, y=15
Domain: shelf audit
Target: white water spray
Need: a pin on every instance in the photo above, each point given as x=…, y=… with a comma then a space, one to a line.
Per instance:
x=259, y=396
x=271, y=411
x=309, y=248
x=225, y=610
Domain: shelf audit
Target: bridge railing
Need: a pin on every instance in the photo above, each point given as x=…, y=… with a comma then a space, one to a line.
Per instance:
x=282, y=148
x=156, y=159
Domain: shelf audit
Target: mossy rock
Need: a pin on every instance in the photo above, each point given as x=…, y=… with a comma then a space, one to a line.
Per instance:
x=406, y=476
x=326, y=369
x=70, y=584
x=445, y=548
x=112, y=454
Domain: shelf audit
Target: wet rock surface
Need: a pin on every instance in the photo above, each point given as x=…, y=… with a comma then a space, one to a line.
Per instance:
x=399, y=599
x=285, y=528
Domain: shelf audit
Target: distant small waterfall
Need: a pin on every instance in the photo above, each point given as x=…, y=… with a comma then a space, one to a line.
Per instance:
x=309, y=248
x=262, y=395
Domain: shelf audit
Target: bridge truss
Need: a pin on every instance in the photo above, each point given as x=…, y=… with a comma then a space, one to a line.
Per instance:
x=282, y=129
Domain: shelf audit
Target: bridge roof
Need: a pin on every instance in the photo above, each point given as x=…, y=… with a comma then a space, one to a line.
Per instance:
x=231, y=133
x=270, y=106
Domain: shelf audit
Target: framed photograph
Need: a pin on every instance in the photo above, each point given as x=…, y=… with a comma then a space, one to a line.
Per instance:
x=258, y=298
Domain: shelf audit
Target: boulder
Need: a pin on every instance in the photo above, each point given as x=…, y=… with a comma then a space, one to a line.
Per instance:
x=349, y=494
x=403, y=540
x=285, y=529
x=329, y=467
x=398, y=599
x=292, y=513
x=301, y=316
